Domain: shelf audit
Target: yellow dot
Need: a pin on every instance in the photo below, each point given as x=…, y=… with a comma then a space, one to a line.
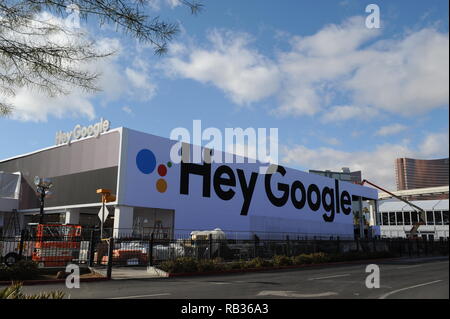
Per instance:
x=161, y=185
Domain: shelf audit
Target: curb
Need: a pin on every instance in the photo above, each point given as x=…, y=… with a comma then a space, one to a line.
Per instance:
x=232, y=271
x=50, y=281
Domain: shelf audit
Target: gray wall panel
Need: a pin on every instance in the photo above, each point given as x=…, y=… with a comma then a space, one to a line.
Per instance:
x=90, y=154
x=76, y=170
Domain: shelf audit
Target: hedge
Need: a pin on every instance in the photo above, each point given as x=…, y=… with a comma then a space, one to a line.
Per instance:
x=22, y=270
x=189, y=264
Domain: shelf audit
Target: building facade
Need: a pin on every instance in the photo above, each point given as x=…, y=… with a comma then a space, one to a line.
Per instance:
x=396, y=218
x=154, y=191
x=417, y=173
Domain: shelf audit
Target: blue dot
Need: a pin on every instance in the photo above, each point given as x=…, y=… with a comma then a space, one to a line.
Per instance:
x=146, y=161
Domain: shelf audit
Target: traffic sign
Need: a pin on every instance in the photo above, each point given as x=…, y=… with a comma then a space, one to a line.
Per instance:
x=101, y=216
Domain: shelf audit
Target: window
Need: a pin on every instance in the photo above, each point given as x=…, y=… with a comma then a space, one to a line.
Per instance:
x=445, y=217
x=438, y=217
x=430, y=219
x=407, y=218
x=385, y=220
x=399, y=218
x=392, y=219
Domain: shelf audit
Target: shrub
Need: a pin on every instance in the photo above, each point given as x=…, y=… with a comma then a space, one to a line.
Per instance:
x=318, y=258
x=188, y=264
x=207, y=265
x=22, y=270
x=15, y=292
x=179, y=265
x=258, y=262
x=236, y=265
x=303, y=259
x=280, y=260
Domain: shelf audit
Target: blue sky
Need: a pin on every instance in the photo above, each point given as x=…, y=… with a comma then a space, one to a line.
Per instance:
x=340, y=94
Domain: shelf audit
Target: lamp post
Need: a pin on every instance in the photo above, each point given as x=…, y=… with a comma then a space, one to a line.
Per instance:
x=43, y=186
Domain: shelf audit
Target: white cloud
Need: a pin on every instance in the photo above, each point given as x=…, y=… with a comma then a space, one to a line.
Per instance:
x=157, y=4
x=335, y=40
x=377, y=165
x=332, y=141
x=346, y=63
x=242, y=73
x=33, y=105
x=435, y=144
x=390, y=129
x=127, y=110
x=405, y=76
x=410, y=76
x=347, y=112
x=141, y=81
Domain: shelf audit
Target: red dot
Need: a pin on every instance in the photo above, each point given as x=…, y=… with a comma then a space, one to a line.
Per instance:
x=162, y=170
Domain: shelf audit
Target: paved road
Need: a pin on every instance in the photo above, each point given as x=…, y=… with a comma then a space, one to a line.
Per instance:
x=412, y=278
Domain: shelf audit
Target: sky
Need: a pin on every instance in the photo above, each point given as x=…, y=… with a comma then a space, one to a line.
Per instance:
x=340, y=94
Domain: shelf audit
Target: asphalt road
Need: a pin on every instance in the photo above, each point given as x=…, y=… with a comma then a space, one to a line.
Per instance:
x=412, y=278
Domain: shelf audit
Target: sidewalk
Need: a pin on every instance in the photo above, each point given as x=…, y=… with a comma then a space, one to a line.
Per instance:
x=122, y=273
x=119, y=273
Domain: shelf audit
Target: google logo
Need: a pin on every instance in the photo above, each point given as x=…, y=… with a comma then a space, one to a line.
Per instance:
x=146, y=163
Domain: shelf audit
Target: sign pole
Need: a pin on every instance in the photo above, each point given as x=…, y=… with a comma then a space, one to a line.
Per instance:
x=106, y=197
x=103, y=216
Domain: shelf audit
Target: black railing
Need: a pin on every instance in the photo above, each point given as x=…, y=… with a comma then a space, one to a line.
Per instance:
x=90, y=250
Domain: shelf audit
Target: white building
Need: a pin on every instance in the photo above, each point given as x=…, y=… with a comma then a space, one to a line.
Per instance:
x=396, y=218
x=153, y=191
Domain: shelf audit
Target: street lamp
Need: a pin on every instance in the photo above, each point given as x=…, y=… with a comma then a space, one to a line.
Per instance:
x=43, y=186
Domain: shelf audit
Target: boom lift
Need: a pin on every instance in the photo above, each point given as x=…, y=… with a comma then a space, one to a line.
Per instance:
x=422, y=214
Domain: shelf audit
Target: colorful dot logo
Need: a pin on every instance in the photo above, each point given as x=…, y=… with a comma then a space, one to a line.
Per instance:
x=146, y=163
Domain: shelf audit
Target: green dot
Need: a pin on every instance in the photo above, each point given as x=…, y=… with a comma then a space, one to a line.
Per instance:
x=169, y=164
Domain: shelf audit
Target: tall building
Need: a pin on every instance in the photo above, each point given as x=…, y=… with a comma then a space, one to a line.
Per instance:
x=415, y=173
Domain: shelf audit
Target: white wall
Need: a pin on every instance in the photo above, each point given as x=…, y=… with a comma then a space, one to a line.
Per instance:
x=194, y=211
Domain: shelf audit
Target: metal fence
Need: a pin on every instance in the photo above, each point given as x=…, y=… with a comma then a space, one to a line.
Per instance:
x=45, y=251
x=151, y=249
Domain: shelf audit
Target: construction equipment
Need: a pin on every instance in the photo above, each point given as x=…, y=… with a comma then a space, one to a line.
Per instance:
x=422, y=214
x=56, y=245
